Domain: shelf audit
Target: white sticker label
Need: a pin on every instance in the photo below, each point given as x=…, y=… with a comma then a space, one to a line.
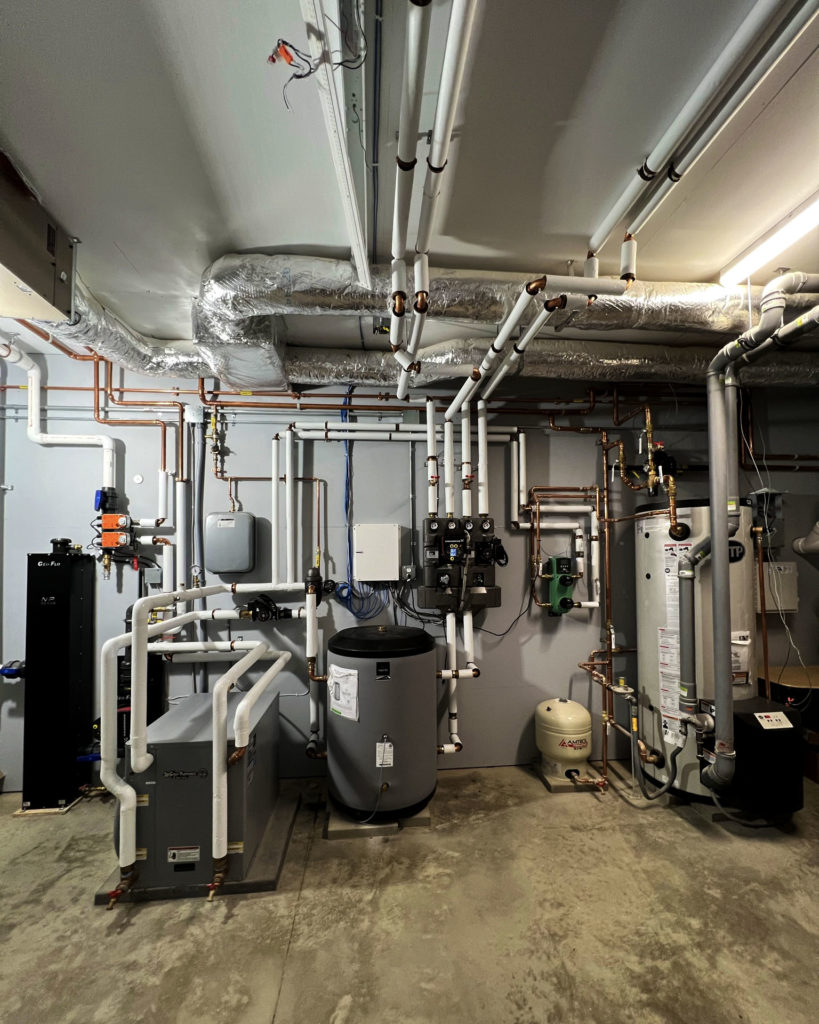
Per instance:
x=740, y=652
x=236, y=847
x=668, y=651
x=773, y=720
x=141, y=853
x=183, y=854
x=384, y=755
x=222, y=524
x=342, y=687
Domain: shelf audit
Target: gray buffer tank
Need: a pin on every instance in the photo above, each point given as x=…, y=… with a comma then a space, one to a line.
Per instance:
x=381, y=720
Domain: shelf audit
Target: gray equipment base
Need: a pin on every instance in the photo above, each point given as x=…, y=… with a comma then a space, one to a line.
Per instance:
x=336, y=826
x=263, y=875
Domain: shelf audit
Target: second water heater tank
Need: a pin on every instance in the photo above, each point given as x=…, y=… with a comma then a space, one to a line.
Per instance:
x=381, y=720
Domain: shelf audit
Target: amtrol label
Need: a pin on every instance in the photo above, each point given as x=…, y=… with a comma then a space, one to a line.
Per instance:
x=773, y=720
x=183, y=854
x=574, y=744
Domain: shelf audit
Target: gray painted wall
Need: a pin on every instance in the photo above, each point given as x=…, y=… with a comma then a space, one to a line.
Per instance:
x=53, y=493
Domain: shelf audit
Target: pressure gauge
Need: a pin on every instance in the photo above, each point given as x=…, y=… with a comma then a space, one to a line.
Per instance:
x=486, y=525
x=468, y=525
x=452, y=525
x=432, y=526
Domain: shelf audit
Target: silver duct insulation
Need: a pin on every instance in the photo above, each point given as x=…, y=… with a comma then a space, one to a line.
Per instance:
x=104, y=333
x=237, y=288
x=556, y=359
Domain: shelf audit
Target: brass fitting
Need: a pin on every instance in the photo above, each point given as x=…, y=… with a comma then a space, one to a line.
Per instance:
x=311, y=672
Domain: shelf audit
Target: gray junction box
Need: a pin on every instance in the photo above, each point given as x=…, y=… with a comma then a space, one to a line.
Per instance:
x=174, y=796
x=230, y=542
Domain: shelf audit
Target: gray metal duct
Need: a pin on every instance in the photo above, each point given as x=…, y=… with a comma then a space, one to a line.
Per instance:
x=556, y=359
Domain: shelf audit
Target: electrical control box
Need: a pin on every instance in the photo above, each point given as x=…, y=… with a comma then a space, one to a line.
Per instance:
x=230, y=542
x=781, y=588
x=458, y=563
x=376, y=552
x=175, y=795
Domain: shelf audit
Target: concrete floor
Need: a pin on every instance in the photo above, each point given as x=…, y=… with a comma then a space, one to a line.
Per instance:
x=516, y=907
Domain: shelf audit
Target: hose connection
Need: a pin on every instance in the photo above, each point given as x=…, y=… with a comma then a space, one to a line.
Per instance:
x=220, y=870
x=127, y=878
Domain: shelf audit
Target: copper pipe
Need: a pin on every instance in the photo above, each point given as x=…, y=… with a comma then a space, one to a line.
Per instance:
x=45, y=336
x=763, y=611
x=180, y=414
x=129, y=423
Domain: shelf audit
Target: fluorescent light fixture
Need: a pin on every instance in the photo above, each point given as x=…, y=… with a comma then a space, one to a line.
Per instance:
x=796, y=227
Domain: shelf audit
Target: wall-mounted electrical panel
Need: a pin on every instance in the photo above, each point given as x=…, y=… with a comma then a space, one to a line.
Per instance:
x=459, y=559
x=230, y=542
x=781, y=588
x=376, y=552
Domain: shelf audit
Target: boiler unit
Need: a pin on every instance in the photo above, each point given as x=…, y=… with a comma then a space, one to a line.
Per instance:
x=381, y=721
x=175, y=798
x=657, y=588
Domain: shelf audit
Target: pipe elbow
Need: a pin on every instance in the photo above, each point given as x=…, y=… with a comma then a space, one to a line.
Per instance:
x=719, y=775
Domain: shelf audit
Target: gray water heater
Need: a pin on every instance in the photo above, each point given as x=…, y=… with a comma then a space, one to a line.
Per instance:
x=381, y=720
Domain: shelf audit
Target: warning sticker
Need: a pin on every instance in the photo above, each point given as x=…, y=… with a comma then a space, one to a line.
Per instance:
x=671, y=555
x=384, y=755
x=740, y=652
x=668, y=650
x=183, y=854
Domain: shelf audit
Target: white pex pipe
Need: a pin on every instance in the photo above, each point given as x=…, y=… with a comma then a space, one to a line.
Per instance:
x=432, y=460
x=452, y=685
x=311, y=651
x=466, y=461
x=724, y=114
x=167, y=566
x=289, y=506
x=514, y=472
x=418, y=320
x=241, y=719
x=399, y=435
x=34, y=432
x=274, y=510
x=449, y=468
x=511, y=359
x=219, y=766
x=709, y=85
x=483, y=462
x=809, y=544
x=523, y=486
x=182, y=542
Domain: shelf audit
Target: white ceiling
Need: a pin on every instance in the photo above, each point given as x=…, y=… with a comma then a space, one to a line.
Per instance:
x=156, y=132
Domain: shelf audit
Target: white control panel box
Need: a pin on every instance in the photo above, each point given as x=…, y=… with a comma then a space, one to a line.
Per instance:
x=376, y=552
x=781, y=588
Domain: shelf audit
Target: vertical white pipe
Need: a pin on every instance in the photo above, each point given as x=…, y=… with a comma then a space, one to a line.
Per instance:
x=466, y=460
x=452, y=648
x=167, y=567
x=162, y=495
x=311, y=652
x=219, y=764
x=274, y=510
x=432, y=460
x=469, y=640
x=290, y=506
x=523, y=489
x=514, y=473
x=594, y=541
x=449, y=468
x=181, y=513
x=109, y=733
x=483, y=461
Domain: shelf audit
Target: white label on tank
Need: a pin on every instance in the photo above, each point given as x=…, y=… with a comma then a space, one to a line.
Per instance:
x=183, y=854
x=740, y=651
x=773, y=720
x=668, y=651
x=342, y=689
x=671, y=554
x=222, y=524
x=384, y=755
